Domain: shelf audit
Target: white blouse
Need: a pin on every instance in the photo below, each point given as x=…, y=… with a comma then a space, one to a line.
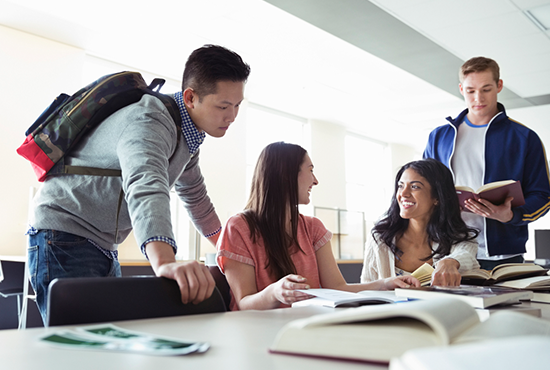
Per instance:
x=379, y=260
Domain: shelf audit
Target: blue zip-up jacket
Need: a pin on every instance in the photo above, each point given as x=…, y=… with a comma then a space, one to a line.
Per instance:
x=512, y=152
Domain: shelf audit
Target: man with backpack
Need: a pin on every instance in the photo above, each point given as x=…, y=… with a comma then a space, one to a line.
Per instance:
x=80, y=219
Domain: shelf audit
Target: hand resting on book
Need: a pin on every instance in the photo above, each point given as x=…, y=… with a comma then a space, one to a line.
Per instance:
x=287, y=289
x=446, y=273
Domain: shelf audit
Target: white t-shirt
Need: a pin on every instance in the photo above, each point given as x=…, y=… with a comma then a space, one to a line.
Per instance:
x=468, y=164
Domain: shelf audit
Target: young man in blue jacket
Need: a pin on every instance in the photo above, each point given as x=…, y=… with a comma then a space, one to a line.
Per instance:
x=484, y=145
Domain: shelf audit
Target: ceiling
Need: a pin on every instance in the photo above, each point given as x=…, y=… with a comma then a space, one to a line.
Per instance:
x=383, y=68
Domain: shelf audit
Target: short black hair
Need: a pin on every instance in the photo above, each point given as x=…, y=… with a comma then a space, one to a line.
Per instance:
x=212, y=63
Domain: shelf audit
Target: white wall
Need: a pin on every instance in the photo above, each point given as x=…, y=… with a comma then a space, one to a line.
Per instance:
x=401, y=155
x=35, y=70
x=327, y=154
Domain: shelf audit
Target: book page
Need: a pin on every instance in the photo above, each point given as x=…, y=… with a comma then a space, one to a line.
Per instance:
x=464, y=188
x=493, y=185
x=330, y=294
x=505, y=324
x=340, y=298
x=448, y=318
x=528, y=352
x=424, y=274
x=511, y=269
x=476, y=274
x=541, y=282
x=383, y=294
x=377, y=340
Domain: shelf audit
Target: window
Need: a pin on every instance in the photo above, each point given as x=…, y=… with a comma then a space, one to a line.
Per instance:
x=368, y=176
x=184, y=231
x=368, y=190
x=265, y=126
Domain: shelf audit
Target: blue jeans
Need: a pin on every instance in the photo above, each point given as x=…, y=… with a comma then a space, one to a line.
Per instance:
x=56, y=254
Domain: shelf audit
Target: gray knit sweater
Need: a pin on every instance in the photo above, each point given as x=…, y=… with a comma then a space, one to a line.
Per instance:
x=141, y=141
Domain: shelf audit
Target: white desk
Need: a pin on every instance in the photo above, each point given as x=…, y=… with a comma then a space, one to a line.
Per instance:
x=238, y=340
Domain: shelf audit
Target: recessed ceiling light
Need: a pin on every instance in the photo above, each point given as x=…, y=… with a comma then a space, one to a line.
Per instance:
x=540, y=16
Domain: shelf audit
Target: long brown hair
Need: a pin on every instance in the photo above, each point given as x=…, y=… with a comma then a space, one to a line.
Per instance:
x=445, y=226
x=274, y=188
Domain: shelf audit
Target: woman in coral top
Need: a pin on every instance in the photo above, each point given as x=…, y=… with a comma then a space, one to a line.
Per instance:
x=270, y=250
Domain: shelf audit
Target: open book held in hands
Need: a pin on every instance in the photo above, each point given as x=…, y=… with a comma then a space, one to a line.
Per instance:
x=494, y=192
x=506, y=271
x=378, y=333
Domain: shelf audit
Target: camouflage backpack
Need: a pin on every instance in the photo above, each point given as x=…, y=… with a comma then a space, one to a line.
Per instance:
x=69, y=118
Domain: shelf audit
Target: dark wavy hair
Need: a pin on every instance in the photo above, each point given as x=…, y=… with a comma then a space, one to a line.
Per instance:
x=212, y=63
x=445, y=226
x=274, y=188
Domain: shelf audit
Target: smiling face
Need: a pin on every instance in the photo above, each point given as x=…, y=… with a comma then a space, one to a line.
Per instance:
x=306, y=180
x=414, y=195
x=213, y=113
x=480, y=94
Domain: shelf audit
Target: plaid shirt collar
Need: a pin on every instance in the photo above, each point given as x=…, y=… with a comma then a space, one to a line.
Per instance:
x=193, y=137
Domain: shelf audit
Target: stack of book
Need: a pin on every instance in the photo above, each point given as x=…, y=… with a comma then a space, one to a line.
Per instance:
x=475, y=296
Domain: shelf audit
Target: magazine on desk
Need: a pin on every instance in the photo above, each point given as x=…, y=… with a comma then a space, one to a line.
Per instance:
x=109, y=337
x=476, y=296
x=378, y=333
x=340, y=298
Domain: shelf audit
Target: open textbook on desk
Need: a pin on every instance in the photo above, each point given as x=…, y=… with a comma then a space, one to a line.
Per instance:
x=378, y=333
x=340, y=298
x=508, y=272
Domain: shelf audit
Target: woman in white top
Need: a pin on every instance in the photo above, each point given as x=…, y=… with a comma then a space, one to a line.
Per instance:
x=423, y=224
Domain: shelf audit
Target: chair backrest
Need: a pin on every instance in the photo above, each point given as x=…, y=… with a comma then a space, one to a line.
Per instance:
x=13, y=277
x=73, y=301
x=542, y=244
x=221, y=284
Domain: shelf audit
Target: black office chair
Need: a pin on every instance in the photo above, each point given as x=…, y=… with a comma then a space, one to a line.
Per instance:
x=221, y=284
x=11, y=284
x=73, y=301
